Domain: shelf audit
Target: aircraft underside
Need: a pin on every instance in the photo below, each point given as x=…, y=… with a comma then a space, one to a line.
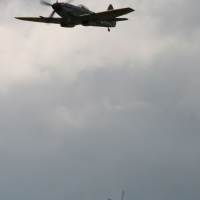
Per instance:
x=71, y=24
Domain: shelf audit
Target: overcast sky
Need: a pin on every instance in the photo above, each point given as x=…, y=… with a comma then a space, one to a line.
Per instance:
x=85, y=114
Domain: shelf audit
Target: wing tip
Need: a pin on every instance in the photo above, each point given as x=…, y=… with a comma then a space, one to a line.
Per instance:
x=20, y=18
x=132, y=10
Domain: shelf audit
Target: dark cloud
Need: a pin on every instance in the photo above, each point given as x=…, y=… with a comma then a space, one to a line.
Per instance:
x=119, y=140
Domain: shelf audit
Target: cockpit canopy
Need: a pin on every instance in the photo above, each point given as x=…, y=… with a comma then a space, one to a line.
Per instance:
x=83, y=7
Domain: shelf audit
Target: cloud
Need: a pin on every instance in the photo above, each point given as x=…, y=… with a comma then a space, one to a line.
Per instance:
x=86, y=113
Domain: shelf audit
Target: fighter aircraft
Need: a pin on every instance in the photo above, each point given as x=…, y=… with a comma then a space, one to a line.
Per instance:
x=72, y=15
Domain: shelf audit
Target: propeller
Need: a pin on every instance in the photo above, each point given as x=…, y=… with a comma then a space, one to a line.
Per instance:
x=45, y=3
x=48, y=4
x=56, y=6
x=52, y=14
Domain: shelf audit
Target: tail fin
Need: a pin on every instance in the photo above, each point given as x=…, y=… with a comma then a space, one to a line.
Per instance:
x=110, y=7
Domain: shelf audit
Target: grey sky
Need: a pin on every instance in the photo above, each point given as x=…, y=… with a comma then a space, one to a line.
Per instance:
x=86, y=114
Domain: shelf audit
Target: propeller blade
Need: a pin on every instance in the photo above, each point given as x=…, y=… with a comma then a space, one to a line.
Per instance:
x=50, y=17
x=45, y=3
x=123, y=192
x=52, y=14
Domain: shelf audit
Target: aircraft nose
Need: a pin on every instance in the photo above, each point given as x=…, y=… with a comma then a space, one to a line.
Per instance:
x=57, y=6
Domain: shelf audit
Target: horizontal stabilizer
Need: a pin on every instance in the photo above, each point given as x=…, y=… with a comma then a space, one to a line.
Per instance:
x=118, y=19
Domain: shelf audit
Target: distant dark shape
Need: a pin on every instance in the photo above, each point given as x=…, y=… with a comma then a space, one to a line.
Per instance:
x=72, y=15
x=123, y=192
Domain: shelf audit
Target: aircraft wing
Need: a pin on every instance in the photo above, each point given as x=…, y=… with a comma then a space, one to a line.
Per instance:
x=106, y=15
x=41, y=19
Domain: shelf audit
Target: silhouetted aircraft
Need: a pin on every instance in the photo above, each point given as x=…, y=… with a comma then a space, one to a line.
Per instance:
x=72, y=15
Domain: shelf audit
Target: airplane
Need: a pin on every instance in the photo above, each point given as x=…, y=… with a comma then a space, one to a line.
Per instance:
x=72, y=15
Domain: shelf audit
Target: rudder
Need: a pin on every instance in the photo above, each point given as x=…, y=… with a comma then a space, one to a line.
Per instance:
x=110, y=7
